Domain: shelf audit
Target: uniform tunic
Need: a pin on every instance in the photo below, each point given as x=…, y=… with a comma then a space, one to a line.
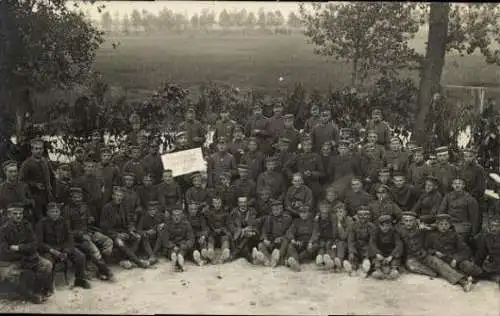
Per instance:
x=153, y=165
x=273, y=180
x=225, y=129
x=464, y=211
x=176, y=235
x=488, y=252
x=405, y=197
x=353, y=200
x=358, y=239
x=245, y=187
x=110, y=177
x=445, y=173
x=448, y=243
x=53, y=234
x=20, y=234
x=322, y=133
x=35, y=171
x=294, y=136
x=147, y=194
x=115, y=219
x=199, y=225
x=383, y=131
x=169, y=195
x=397, y=160
x=385, y=207
x=276, y=226
x=427, y=206
x=137, y=168
x=308, y=162
x=194, y=129
x=217, y=164
x=417, y=173
x=14, y=192
x=298, y=195
x=199, y=195
x=386, y=243
x=475, y=179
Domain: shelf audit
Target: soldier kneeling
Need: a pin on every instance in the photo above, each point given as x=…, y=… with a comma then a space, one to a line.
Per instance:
x=301, y=248
x=386, y=247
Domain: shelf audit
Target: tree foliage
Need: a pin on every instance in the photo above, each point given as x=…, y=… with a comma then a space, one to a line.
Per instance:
x=372, y=36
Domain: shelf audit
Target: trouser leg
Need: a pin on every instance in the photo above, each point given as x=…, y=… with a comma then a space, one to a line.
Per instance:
x=443, y=269
x=415, y=266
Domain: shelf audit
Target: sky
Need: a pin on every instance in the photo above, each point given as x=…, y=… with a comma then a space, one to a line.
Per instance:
x=187, y=7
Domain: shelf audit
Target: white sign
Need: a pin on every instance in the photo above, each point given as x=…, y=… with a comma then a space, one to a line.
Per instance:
x=184, y=162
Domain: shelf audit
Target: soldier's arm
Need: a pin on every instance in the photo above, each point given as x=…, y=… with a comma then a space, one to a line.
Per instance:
x=24, y=174
x=69, y=240
x=44, y=247
x=291, y=232
x=189, y=241
x=374, y=249
x=319, y=170
x=481, y=249
x=398, y=249
x=429, y=243
x=443, y=207
x=265, y=228
x=351, y=242
x=417, y=207
x=474, y=216
x=210, y=172
x=309, y=198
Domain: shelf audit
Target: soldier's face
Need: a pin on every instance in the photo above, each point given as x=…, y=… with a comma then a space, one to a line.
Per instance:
x=177, y=216
x=11, y=173
x=16, y=215
x=331, y=195
x=65, y=174
x=343, y=151
x=363, y=216
x=217, y=203
x=384, y=177
x=197, y=182
x=458, y=185
x=193, y=209
x=356, y=185
x=257, y=111
x=37, y=149
x=304, y=214
x=135, y=153
x=167, y=177
x=325, y=117
x=418, y=157
x=382, y=195
x=429, y=186
x=385, y=227
x=288, y=123
x=277, y=210
x=79, y=155
x=225, y=180
x=243, y=173
x=408, y=222
x=77, y=198
x=224, y=116
x=222, y=146
x=252, y=146
x=54, y=213
x=89, y=168
x=105, y=158
x=372, y=138
x=468, y=157
x=297, y=181
x=399, y=181
x=270, y=165
x=324, y=211
x=307, y=147
x=326, y=149
x=189, y=116
x=395, y=146
x=153, y=149
x=376, y=116
x=442, y=157
x=242, y=204
x=96, y=138
x=314, y=111
x=278, y=111
x=265, y=195
x=152, y=210
x=129, y=182
x=432, y=160
x=238, y=135
x=182, y=140
x=147, y=181
x=341, y=211
x=443, y=226
x=494, y=227
x=117, y=197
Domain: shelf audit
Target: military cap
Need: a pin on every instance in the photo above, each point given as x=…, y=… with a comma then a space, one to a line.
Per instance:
x=288, y=116
x=75, y=189
x=339, y=204
x=432, y=179
x=193, y=202
x=363, y=209
x=252, y=139
x=257, y=106
x=495, y=220
x=277, y=105
x=271, y=159
x=53, y=205
x=369, y=147
x=106, y=150
x=190, y=109
x=284, y=139
x=385, y=218
x=346, y=130
x=344, y=144
x=371, y=131
x=409, y=214
x=356, y=178
x=128, y=175
x=384, y=170
x=9, y=163
x=395, y=139
x=441, y=149
x=36, y=140
x=117, y=188
x=276, y=203
x=417, y=149
x=79, y=150
x=225, y=174
x=432, y=156
x=469, y=150
x=195, y=174
x=180, y=134
x=16, y=206
x=398, y=174
x=222, y=140
x=376, y=110
x=153, y=203
x=443, y=217
x=306, y=138
x=147, y=175
x=243, y=166
x=458, y=176
x=89, y=160
x=304, y=208
x=177, y=210
x=382, y=188
x=64, y=166
x=133, y=146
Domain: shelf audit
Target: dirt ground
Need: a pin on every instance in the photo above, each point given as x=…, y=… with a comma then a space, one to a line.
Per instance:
x=240, y=288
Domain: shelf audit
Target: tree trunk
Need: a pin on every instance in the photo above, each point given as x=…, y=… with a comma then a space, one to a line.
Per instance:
x=4, y=91
x=430, y=76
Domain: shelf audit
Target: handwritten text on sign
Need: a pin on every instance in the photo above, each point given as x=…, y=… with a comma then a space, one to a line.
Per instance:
x=184, y=162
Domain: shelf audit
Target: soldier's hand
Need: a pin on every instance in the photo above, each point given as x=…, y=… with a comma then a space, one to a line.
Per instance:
x=120, y=242
x=176, y=249
x=307, y=173
x=161, y=226
x=439, y=254
x=266, y=242
x=91, y=220
x=350, y=257
x=277, y=240
x=379, y=256
x=122, y=236
x=388, y=259
x=86, y=237
x=14, y=247
x=453, y=263
x=309, y=246
x=40, y=186
x=202, y=239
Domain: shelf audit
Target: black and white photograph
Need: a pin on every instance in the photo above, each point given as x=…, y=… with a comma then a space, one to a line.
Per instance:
x=249, y=157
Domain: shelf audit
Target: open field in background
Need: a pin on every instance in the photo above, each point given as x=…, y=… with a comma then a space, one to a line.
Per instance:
x=143, y=62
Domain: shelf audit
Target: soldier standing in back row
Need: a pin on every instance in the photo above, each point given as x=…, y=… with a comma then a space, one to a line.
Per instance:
x=325, y=131
x=444, y=170
x=220, y=162
x=35, y=171
x=12, y=190
x=194, y=129
x=381, y=127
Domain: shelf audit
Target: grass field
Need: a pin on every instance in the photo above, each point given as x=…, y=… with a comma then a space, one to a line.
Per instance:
x=143, y=62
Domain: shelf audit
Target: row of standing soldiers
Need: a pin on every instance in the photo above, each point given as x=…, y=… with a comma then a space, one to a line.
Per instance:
x=271, y=194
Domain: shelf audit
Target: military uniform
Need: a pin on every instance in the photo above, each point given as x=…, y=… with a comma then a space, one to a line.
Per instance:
x=56, y=235
x=353, y=200
x=147, y=194
x=274, y=180
x=297, y=197
x=397, y=161
x=386, y=206
x=274, y=230
x=405, y=197
x=418, y=172
x=154, y=166
x=137, y=168
x=463, y=209
x=92, y=192
x=324, y=235
x=175, y=235
x=322, y=133
x=245, y=187
x=149, y=225
x=488, y=252
x=475, y=179
x=383, y=131
x=445, y=172
x=119, y=224
x=199, y=195
x=358, y=240
x=195, y=133
x=255, y=163
x=291, y=133
x=258, y=126
x=244, y=232
x=169, y=195
x=275, y=127
x=15, y=192
x=39, y=279
x=200, y=230
x=388, y=245
x=369, y=164
x=427, y=206
x=35, y=172
x=224, y=128
x=300, y=236
x=218, y=163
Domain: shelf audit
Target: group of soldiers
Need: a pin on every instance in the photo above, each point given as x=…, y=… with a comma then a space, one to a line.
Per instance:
x=271, y=194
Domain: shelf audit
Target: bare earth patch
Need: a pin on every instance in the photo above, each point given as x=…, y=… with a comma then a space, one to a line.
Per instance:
x=240, y=288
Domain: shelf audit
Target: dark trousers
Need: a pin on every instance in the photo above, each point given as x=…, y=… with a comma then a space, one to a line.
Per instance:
x=36, y=276
x=75, y=256
x=243, y=247
x=129, y=248
x=300, y=253
x=282, y=247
